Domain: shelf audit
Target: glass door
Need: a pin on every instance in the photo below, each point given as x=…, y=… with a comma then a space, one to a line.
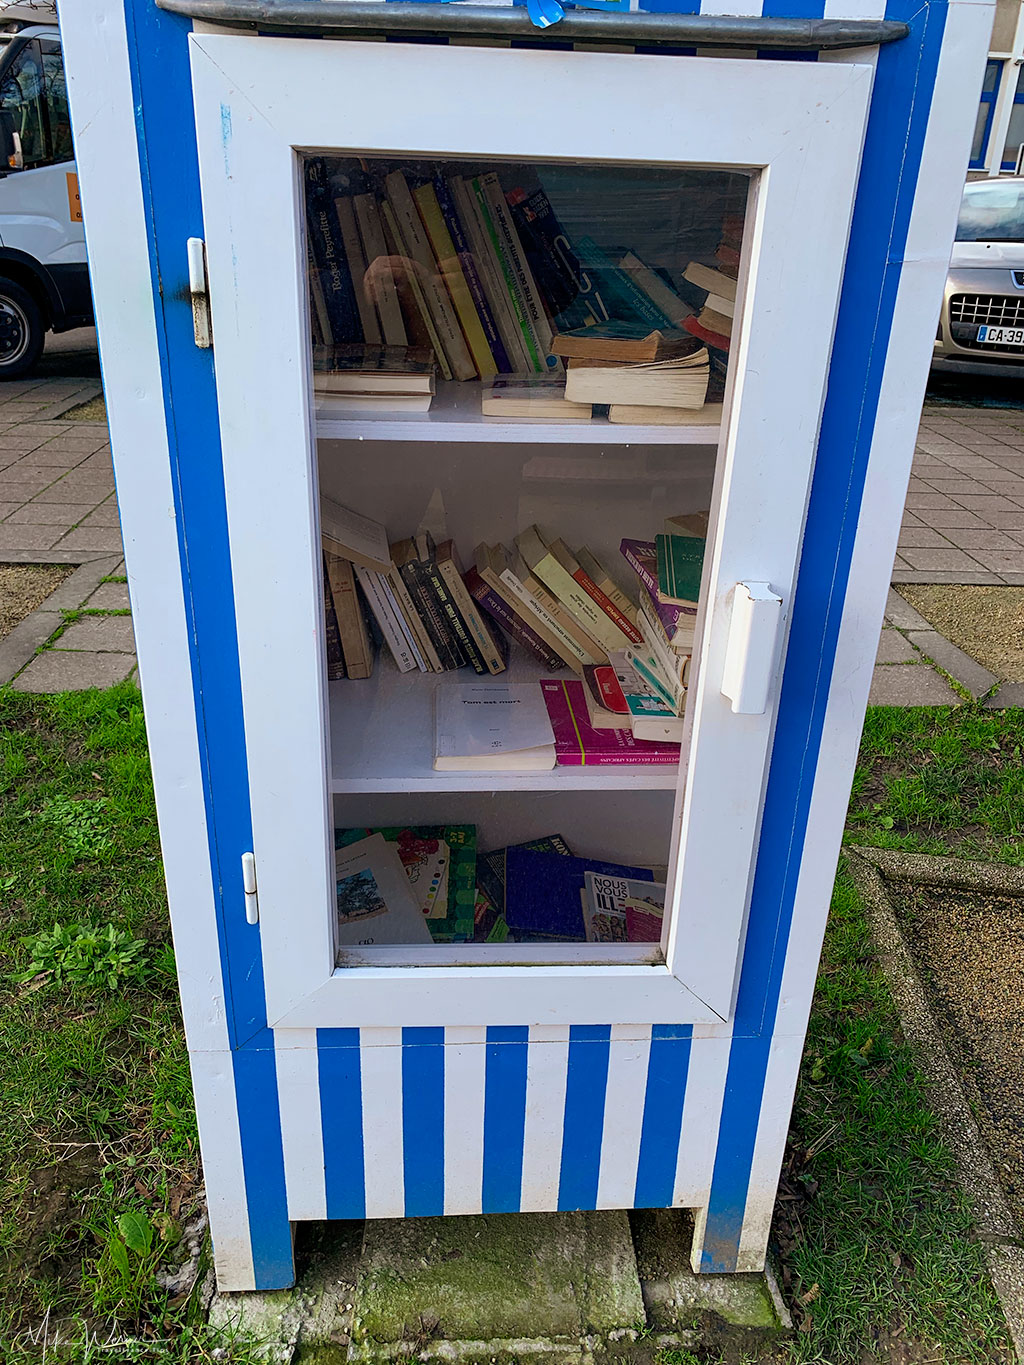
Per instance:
x=518, y=425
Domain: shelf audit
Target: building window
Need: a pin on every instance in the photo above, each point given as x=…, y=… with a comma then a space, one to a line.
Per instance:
x=986, y=108
x=1015, y=129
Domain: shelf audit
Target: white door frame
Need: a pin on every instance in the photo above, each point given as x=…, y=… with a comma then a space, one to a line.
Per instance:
x=258, y=99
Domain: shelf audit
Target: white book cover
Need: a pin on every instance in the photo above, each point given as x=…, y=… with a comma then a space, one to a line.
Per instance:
x=492, y=725
x=375, y=902
x=353, y=536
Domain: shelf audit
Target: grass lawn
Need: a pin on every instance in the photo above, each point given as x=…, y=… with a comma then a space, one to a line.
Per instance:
x=98, y=1161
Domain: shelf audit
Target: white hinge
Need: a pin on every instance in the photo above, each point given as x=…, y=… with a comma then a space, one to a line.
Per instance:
x=252, y=905
x=199, y=289
x=751, y=654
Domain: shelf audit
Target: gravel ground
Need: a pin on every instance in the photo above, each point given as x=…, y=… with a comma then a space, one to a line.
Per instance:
x=23, y=587
x=986, y=622
x=970, y=947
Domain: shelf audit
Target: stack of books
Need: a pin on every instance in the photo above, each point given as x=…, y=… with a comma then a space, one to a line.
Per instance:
x=642, y=376
x=369, y=379
x=713, y=324
x=480, y=272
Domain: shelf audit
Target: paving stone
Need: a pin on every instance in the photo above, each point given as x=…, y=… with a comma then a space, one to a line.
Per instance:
x=6, y=508
x=110, y=597
x=1001, y=561
x=87, y=443
x=974, y=538
x=910, y=685
x=77, y=487
x=495, y=1277
x=1009, y=694
x=27, y=483
x=50, y=514
x=69, y=671
x=28, y=537
x=1013, y=580
x=944, y=576
x=947, y=560
x=104, y=515
x=20, y=643
x=983, y=503
x=929, y=502
x=901, y=614
x=949, y=487
x=92, y=538
x=99, y=633
x=967, y=671
x=894, y=649
x=1006, y=521
x=922, y=538
x=942, y=517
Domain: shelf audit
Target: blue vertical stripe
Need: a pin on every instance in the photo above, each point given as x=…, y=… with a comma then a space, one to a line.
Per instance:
x=504, y=1118
x=255, y=1072
x=667, y=1067
x=901, y=99
x=585, y=1087
x=423, y=1120
x=341, y=1116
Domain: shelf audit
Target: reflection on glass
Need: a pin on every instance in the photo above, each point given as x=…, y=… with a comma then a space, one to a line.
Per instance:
x=551, y=587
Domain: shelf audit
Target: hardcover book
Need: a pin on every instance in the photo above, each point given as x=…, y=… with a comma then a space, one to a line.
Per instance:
x=542, y=893
x=578, y=743
x=680, y=563
x=677, y=622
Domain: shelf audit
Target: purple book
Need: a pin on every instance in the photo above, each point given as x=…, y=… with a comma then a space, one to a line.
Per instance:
x=507, y=619
x=578, y=743
x=476, y=289
x=642, y=558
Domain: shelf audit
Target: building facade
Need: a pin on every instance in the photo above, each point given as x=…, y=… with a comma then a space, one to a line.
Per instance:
x=999, y=131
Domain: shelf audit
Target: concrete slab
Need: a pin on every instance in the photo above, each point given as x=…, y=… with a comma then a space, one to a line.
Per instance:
x=899, y=613
x=99, y=633
x=69, y=671
x=1008, y=694
x=499, y=1284
x=910, y=685
x=967, y=671
x=110, y=597
x=894, y=649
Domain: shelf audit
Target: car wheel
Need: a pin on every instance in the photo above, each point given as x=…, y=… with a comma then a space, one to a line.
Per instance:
x=22, y=330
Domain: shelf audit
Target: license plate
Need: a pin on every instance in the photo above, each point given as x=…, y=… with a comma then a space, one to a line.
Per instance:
x=1002, y=336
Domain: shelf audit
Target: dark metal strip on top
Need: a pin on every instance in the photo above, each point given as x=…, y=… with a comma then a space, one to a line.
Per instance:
x=416, y=18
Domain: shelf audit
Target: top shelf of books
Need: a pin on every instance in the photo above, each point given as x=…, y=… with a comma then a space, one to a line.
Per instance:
x=508, y=302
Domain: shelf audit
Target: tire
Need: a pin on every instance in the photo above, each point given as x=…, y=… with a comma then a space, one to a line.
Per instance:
x=22, y=330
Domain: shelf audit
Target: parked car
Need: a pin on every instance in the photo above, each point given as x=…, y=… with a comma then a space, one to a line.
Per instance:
x=44, y=277
x=981, y=330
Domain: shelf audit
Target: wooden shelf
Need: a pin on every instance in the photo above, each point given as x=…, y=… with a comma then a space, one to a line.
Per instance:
x=455, y=416
x=382, y=740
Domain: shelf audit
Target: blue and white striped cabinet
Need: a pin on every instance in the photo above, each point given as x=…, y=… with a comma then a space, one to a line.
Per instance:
x=518, y=1077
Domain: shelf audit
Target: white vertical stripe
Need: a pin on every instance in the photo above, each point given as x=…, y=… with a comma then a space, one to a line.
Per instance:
x=302, y=1138
x=380, y=1057
x=769, y=1146
x=854, y=9
x=623, y=1117
x=465, y=1063
x=213, y=1083
x=702, y=1114
x=547, y=1065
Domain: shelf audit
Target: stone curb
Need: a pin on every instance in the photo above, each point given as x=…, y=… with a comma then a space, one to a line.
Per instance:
x=83, y=395
x=969, y=875
x=1009, y=694
x=899, y=613
x=18, y=647
x=994, y=1222
x=950, y=657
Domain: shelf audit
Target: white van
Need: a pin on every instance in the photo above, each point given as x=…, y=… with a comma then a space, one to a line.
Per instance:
x=44, y=277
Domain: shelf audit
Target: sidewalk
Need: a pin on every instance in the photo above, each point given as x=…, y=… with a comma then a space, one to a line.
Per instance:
x=964, y=523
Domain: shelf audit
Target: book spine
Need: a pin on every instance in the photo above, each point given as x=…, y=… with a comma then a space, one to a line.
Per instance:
x=415, y=621
x=486, y=645
x=321, y=317
x=517, y=308
x=440, y=305
x=492, y=275
x=329, y=254
x=355, y=644
x=621, y=288
x=332, y=635
x=625, y=625
x=668, y=666
x=709, y=338
x=451, y=270
x=500, y=611
x=356, y=262
x=416, y=289
x=644, y=667
x=639, y=568
x=660, y=294
x=453, y=223
x=455, y=623
x=594, y=653
x=384, y=614
x=376, y=255
x=430, y=615
x=522, y=281
x=404, y=626
x=575, y=600
x=570, y=649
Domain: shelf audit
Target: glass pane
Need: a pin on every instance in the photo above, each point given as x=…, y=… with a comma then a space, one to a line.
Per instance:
x=991, y=81
x=1015, y=131
x=57, y=103
x=22, y=118
x=518, y=377
x=992, y=211
x=980, y=129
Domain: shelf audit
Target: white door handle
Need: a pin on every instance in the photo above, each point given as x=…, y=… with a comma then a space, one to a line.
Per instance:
x=751, y=654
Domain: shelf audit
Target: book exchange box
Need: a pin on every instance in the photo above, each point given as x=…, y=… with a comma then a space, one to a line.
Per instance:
x=511, y=433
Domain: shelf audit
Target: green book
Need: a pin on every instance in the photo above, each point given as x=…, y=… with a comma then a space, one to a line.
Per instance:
x=432, y=854
x=680, y=563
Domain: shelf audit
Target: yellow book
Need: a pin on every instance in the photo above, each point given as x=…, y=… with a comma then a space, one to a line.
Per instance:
x=451, y=271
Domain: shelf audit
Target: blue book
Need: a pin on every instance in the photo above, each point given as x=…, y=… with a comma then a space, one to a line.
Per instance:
x=626, y=298
x=329, y=253
x=543, y=893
